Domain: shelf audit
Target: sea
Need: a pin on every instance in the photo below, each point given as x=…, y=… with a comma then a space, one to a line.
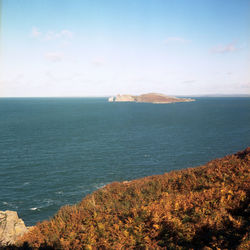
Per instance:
x=55, y=151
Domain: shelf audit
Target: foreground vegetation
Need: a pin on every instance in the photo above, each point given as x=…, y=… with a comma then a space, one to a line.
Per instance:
x=196, y=208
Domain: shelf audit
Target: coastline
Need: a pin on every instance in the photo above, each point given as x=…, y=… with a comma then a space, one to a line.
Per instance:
x=216, y=182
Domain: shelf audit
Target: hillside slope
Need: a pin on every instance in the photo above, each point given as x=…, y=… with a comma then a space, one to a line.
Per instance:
x=201, y=208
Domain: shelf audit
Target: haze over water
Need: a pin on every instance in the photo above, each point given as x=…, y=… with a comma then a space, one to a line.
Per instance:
x=54, y=151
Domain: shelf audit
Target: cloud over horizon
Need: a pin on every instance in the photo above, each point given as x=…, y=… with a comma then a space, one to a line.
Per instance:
x=221, y=49
x=54, y=56
x=189, y=81
x=98, y=62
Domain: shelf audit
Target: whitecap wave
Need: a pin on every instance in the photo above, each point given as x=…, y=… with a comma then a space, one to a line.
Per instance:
x=34, y=208
x=59, y=192
x=100, y=185
x=10, y=205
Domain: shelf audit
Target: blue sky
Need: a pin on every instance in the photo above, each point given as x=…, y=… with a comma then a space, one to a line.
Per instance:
x=103, y=48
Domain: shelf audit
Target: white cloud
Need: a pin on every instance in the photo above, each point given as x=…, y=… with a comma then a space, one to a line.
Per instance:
x=52, y=35
x=35, y=33
x=221, y=49
x=245, y=86
x=98, y=62
x=54, y=56
x=189, y=81
x=176, y=40
x=64, y=34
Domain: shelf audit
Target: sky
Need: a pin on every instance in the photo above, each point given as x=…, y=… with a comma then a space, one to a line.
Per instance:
x=103, y=48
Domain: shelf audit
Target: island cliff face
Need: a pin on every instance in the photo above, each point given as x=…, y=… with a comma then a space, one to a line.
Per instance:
x=149, y=98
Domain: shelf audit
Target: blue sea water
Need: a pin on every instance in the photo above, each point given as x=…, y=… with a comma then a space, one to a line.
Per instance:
x=54, y=151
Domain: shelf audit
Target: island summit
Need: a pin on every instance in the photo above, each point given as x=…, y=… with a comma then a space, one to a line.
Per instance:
x=148, y=98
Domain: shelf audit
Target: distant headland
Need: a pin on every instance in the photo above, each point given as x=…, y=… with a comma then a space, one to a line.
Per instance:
x=148, y=98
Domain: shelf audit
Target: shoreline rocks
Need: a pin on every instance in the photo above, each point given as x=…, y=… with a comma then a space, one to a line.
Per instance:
x=11, y=227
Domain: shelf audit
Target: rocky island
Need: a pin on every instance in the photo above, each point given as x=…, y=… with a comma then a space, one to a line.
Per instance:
x=148, y=98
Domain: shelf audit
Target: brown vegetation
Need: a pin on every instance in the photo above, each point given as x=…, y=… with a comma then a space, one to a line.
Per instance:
x=197, y=208
x=149, y=98
x=160, y=98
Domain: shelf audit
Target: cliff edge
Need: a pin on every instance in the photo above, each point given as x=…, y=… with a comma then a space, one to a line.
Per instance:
x=206, y=207
x=11, y=227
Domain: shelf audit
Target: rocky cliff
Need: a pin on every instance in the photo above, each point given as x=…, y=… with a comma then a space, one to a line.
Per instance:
x=11, y=227
x=148, y=98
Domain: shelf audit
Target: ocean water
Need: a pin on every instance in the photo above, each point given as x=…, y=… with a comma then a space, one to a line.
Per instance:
x=54, y=151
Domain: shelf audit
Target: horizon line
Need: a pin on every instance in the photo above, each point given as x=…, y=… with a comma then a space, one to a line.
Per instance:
x=107, y=96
